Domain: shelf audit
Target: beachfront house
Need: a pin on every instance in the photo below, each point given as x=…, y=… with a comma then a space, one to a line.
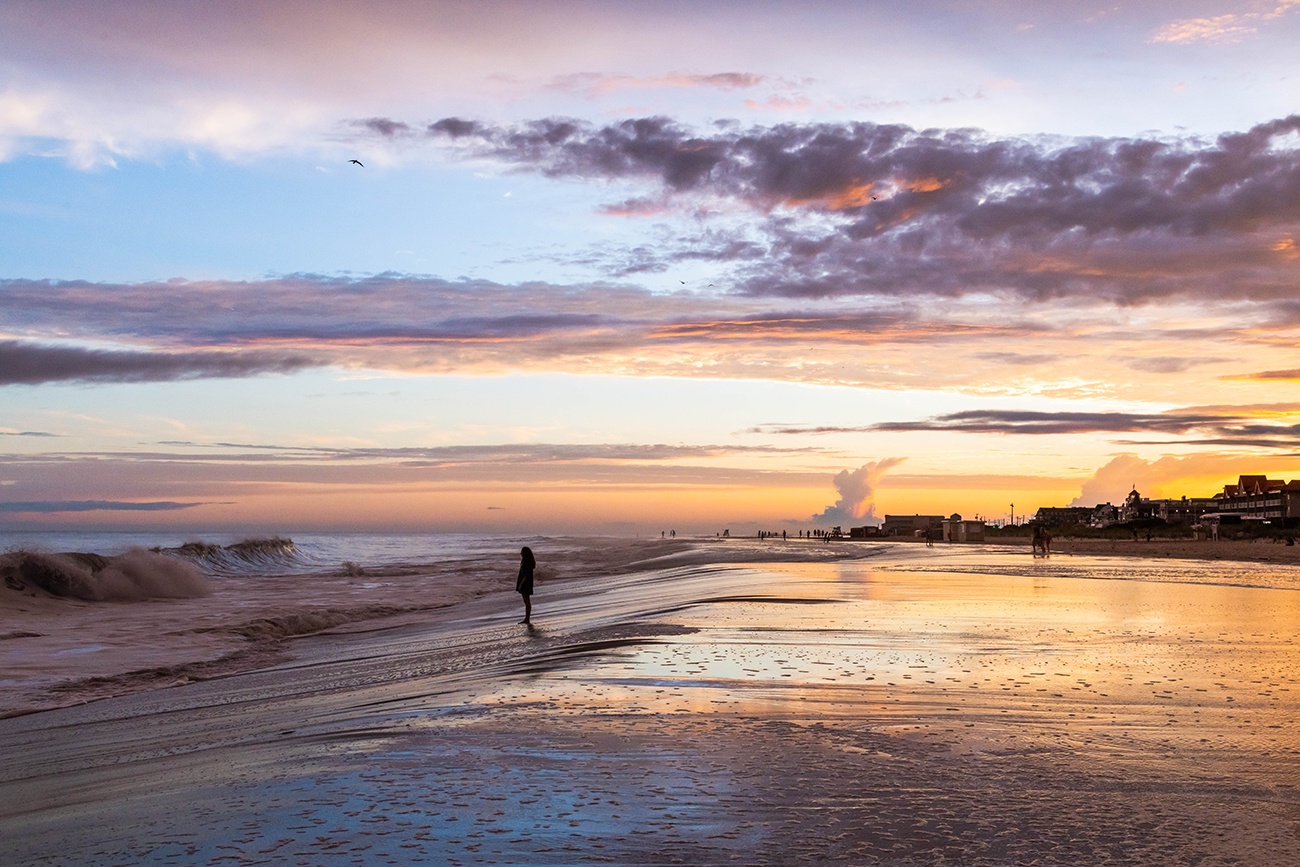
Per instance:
x=1061, y=516
x=957, y=530
x=1260, y=498
x=910, y=525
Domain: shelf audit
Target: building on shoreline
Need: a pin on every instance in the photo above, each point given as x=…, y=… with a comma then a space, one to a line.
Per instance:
x=1259, y=498
x=910, y=525
x=1056, y=516
x=957, y=530
x=1251, y=498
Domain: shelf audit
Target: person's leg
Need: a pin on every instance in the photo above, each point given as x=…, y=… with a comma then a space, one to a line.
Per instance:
x=528, y=608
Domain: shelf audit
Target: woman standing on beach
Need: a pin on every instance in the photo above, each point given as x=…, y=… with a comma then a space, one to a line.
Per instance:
x=524, y=583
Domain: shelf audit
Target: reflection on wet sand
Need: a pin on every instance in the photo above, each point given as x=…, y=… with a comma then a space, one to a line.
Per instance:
x=905, y=710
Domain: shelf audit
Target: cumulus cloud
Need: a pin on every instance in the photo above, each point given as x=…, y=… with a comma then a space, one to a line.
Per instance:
x=1199, y=475
x=856, y=489
x=28, y=364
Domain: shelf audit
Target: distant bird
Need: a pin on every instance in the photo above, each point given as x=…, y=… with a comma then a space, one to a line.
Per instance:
x=358, y=162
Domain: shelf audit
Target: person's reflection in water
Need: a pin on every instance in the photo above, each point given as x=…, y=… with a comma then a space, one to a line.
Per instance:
x=524, y=583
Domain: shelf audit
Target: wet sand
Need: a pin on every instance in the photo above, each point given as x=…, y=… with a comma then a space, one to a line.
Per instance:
x=1256, y=551
x=929, y=706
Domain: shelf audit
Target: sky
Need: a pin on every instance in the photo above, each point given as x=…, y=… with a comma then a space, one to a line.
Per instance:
x=626, y=267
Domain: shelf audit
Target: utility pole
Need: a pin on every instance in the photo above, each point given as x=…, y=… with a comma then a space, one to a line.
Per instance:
x=1013, y=514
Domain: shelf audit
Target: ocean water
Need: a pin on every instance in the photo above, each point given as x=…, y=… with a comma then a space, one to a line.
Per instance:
x=90, y=615
x=678, y=701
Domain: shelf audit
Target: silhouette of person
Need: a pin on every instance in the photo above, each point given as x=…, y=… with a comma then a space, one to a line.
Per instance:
x=524, y=583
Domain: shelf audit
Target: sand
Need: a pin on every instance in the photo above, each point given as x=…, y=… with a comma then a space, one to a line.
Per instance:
x=1255, y=551
x=926, y=706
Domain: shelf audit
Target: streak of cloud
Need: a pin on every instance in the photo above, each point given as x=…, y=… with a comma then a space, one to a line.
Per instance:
x=592, y=83
x=424, y=324
x=1197, y=428
x=29, y=364
x=53, y=506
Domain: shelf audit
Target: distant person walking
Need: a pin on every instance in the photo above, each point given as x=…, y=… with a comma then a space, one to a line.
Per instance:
x=524, y=583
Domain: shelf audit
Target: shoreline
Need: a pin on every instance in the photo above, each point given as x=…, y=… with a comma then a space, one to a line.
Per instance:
x=767, y=713
x=1254, y=551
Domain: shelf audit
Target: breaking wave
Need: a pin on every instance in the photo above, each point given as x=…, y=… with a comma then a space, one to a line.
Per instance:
x=134, y=575
x=274, y=554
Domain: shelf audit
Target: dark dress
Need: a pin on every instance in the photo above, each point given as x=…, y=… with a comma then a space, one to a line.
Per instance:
x=524, y=583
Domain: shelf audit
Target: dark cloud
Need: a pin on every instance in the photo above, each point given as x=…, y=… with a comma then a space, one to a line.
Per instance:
x=29, y=364
x=512, y=453
x=383, y=126
x=392, y=321
x=1209, y=428
x=1269, y=375
x=44, y=506
x=1029, y=422
x=27, y=433
x=869, y=209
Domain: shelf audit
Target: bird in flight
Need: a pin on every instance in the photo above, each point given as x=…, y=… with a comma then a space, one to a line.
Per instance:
x=358, y=162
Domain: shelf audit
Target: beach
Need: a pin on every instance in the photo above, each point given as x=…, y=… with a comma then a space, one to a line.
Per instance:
x=704, y=702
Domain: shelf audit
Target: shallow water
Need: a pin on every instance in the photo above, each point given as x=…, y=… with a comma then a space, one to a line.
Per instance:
x=910, y=706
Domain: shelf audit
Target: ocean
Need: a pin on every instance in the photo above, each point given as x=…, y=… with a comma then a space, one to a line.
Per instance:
x=137, y=610
x=696, y=701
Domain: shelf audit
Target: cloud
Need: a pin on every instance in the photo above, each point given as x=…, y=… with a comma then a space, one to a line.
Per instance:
x=1200, y=475
x=48, y=506
x=1207, y=426
x=1230, y=27
x=1168, y=364
x=29, y=364
x=845, y=209
x=421, y=324
x=856, y=489
x=593, y=83
x=1018, y=358
x=985, y=421
x=1290, y=375
x=27, y=433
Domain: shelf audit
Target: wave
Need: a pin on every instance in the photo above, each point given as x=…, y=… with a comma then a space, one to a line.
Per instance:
x=273, y=554
x=135, y=575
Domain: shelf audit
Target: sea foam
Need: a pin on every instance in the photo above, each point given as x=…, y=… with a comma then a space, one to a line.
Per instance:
x=134, y=575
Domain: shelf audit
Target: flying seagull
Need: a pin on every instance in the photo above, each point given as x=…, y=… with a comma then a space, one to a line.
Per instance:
x=358, y=162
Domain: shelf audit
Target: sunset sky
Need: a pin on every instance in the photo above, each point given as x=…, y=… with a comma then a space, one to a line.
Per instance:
x=623, y=267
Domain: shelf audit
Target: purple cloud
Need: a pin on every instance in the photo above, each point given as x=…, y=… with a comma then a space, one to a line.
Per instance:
x=870, y=209
x=29, y=364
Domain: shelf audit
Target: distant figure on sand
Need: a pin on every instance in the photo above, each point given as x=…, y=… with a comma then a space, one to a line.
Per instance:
x=1047, y=542
x=1037, y=541
x=524, y=583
